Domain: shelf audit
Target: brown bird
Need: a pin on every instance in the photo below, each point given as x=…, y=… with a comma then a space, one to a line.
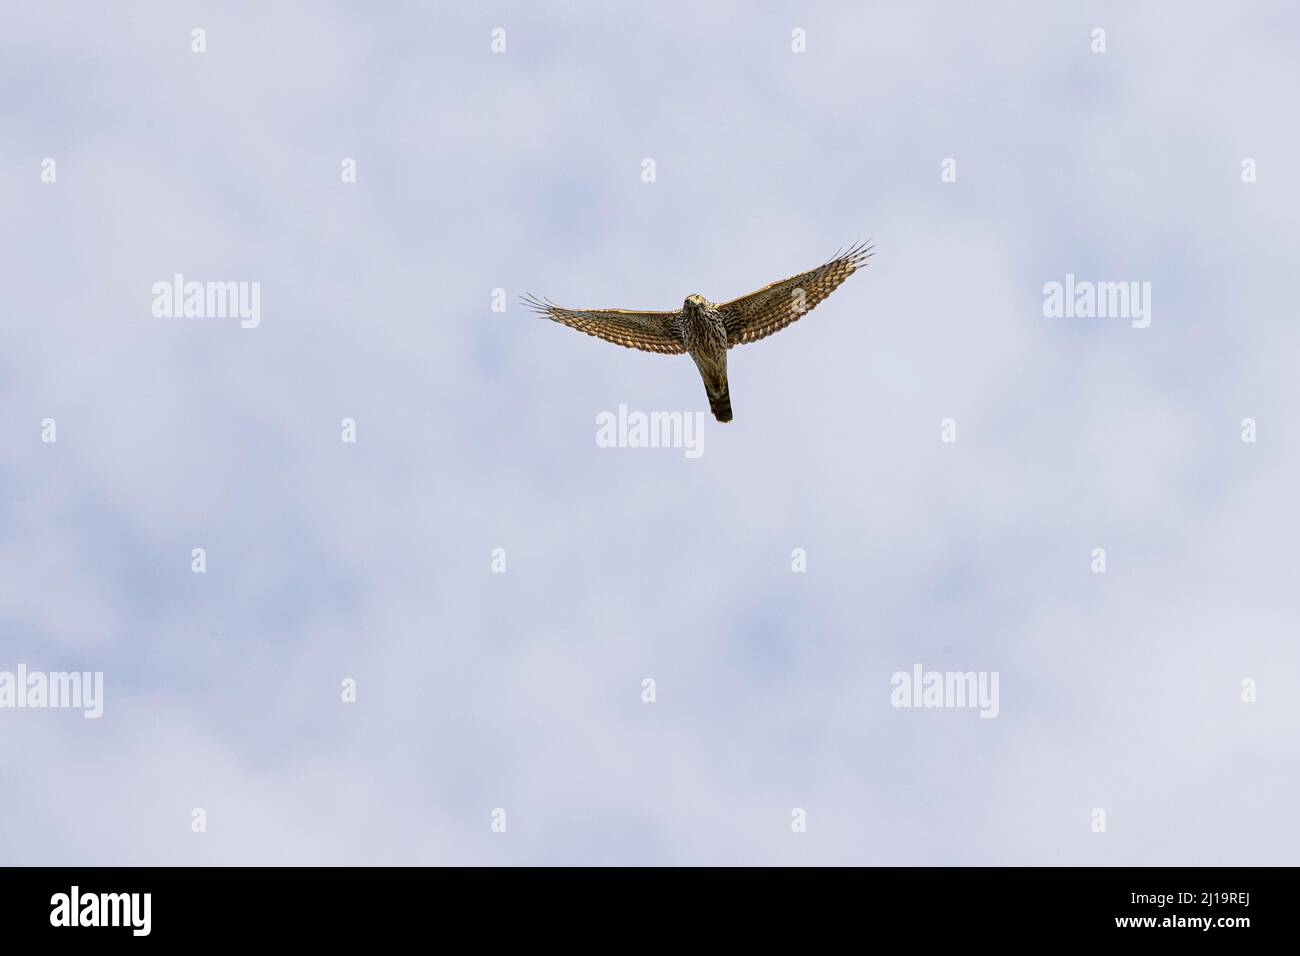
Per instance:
x=704, y=329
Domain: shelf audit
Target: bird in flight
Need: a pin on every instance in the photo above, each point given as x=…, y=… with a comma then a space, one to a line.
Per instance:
x=705, y=330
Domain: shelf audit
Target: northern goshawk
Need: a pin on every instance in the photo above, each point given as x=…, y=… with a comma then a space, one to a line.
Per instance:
x=704, y=329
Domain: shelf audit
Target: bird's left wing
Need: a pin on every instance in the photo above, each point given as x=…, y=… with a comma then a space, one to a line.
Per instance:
x=773, y=307
x=647, y=331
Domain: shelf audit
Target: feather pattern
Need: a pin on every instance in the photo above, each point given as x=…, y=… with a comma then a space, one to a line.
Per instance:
x=647, y=331
x=773, y=307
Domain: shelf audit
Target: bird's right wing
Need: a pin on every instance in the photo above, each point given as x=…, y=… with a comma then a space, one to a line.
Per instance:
x=773, y=307
x=647, y=331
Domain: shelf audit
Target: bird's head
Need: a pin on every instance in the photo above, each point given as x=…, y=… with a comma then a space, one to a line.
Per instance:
x=695, y=302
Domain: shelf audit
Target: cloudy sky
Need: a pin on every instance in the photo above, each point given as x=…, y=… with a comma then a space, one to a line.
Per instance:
x=372, y=561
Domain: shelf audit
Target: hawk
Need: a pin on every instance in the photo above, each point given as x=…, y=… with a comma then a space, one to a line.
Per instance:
x=705, y=330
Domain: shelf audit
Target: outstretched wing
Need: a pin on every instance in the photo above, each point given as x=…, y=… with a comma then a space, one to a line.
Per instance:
x=647, y=331
x=773, y=307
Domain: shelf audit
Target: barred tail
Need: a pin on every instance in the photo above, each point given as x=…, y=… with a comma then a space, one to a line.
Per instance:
x=720, y=402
